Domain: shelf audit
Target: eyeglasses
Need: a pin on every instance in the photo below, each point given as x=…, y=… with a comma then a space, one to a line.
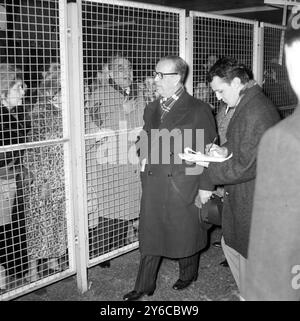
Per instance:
x=161, y=75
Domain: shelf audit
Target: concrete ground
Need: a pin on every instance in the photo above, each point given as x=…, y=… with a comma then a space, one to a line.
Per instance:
x=214, y=283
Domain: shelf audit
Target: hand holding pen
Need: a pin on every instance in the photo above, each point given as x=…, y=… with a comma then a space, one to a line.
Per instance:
x=213, y=149
x=210, y=146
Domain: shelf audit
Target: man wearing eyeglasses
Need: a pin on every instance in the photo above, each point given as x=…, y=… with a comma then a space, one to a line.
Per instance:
x=169, y=221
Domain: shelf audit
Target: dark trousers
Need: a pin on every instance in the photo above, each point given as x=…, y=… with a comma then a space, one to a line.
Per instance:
x=148, y=269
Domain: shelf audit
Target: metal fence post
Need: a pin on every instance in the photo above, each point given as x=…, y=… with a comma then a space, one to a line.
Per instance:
x=189, y=54
x=77, y=141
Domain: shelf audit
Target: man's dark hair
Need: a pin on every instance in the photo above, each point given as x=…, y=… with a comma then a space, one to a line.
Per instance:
x=292, y=32
x=229, y=68
x=180, y=66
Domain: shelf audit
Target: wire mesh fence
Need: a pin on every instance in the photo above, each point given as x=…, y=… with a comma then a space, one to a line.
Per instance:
x=276, y=83
x=34, y=185
x=215, y=37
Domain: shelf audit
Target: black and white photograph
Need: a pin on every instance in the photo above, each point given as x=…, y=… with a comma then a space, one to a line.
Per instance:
x=150, y=151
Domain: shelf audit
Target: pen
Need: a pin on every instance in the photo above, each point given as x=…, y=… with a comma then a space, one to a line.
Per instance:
x=212, y=144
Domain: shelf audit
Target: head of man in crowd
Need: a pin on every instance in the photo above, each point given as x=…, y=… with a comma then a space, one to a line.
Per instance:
x=292, y=49
x=119, y=69
x=227, y=79
x=169, y=75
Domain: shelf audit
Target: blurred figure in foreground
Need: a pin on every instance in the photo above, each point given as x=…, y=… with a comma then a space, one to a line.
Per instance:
x=273, y=266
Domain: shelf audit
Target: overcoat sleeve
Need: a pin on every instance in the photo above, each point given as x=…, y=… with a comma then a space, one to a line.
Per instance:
x=207, y=122
x=245, y=137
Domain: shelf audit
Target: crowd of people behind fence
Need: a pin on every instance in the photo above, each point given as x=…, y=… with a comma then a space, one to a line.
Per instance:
x=33, y=232
x=33, y=227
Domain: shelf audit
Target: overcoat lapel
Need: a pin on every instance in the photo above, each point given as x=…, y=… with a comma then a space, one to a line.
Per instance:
x=155, y=119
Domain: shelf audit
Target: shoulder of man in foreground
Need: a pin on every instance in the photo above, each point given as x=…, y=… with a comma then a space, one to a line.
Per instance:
x=274, y=239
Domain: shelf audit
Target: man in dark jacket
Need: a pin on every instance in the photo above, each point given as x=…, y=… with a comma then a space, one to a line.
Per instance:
x=254, y=114
x=170, y=225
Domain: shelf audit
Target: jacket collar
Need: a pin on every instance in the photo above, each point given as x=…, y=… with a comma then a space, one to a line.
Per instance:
x=247, y=95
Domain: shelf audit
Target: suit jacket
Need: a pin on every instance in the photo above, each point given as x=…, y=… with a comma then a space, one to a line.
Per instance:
x=169, y=220
x=253, y=116
x=273, y=267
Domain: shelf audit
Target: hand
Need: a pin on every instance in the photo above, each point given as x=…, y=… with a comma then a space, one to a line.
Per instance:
x=204, y=164
x=215, y=150
x=198, y=201
x=204, y=196
x=143, y=164
x=219, y=191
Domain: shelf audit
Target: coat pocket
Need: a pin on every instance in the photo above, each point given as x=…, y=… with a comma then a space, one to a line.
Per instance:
x=186, y=188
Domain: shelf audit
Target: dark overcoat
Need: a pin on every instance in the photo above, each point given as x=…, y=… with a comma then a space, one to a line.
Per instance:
x=272, y=270
x=253, y=116
x=169, y=221
x=14, y=126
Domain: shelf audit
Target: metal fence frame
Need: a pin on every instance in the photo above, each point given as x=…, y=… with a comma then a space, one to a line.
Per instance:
x=68, y=165
x=285, y=108
x=180, y=13
x=225, y=19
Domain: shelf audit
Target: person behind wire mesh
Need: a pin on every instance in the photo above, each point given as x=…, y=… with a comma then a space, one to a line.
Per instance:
x=149, y=90
x=114, y=102
x=202, y=89
x=45, y=197
x=14, y=126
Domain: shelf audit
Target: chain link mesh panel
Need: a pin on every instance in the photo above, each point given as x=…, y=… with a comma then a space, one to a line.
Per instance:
x=276, y=84
x=34, y=190
x=215, y=37
x=121, y=46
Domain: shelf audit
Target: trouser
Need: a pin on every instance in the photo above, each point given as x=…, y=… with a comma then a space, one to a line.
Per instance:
x=237, y=264
x=148, y=269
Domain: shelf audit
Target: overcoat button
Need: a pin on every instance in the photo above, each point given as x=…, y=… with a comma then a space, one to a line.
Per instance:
x=149, y=173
